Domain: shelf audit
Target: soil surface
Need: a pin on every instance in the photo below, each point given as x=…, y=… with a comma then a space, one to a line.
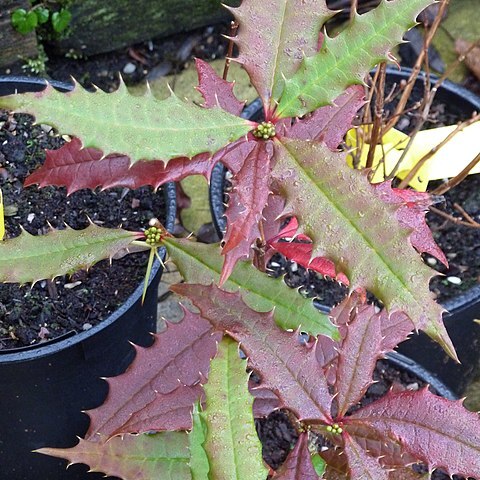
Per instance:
x=278, y=435
x=54, y=308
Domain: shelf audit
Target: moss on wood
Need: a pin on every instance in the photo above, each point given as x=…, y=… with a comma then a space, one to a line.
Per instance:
x=99, y=27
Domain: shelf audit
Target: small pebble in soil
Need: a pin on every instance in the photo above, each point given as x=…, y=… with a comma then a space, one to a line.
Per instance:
x=129, y=68
x=454, y=280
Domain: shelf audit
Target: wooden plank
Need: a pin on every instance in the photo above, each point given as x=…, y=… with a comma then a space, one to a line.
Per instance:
x=99, y=27
x=13, y=45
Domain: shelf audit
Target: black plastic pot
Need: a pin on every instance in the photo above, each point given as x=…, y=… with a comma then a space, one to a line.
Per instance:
x=44, y=388
x=463, y=310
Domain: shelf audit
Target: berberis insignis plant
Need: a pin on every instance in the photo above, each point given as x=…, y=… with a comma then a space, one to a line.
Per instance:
x=192, y=380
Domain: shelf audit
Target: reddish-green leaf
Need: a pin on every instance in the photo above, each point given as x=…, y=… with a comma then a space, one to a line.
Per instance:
x=246, y=202
x=347, y=222
x=216, y=91
x=274, y=37
x=362, y=466
x=180, y=355
x=330, y=123
x=29, y=258
x=286, y=366
x=75, y=168
x=163, y=456
x=441, y=432
x=298, y=465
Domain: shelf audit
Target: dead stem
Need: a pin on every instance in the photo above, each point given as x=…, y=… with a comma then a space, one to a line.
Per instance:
x=417, y=67
x=470, y=223
x=453, y=182
x=461, y=126
x=376, y=135
x=228, y=61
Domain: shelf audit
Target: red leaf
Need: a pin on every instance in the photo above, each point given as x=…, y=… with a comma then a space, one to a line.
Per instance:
x=330, y=124
x=411, y=214
x=384, y=446
x=247, y=200
x=265, y=401
x=441, y=432
x=361, y=465
x=180, y=355
x=298, y=465
x=168, y=411
x=75, y=168
x=301, y=253
x=357, y=357
x=286, y=367
x=215, y=90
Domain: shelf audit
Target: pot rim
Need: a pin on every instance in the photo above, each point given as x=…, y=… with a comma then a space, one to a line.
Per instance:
x=453, y=305
x=68, y=340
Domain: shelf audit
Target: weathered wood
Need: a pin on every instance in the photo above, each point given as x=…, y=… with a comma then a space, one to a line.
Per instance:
x=13, y=45
x=99, y=27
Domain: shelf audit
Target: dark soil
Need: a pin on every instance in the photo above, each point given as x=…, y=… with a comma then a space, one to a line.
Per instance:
x=278, y=435
x=54, y=308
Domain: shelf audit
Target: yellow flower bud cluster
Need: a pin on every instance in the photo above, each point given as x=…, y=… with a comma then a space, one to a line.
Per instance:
x=265, y=130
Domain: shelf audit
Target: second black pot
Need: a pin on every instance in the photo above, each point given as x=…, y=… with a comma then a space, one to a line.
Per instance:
x=462, y=310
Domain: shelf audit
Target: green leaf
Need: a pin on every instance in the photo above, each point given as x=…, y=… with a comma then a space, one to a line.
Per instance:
x=201, y=263
x=199, y=464
x=43, y=14
x=349, y=224
x=347, y=58
x=319, y=464
x=61, y=20
x=143, y=128
x=29, y=258
x=232, y=445
x=273, y=38
x=23, y=21
x=162, y=456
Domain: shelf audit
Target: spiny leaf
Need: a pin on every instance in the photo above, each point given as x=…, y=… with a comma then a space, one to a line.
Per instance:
x=198, y=457
x=345, y=59
x=246, y=202
x=231, y=443
x=298, y=465
x=274, y=37
x=168, y=411
x=339, y=210
x=330, y=123
x=385, y=446
x=180, y=355
x=75, y=168
x=357, y=358
x=216, y=91
x=137, y=126
x=141, y=457
x=411, y=214
x=361, y=465
x=286, y=366
x=201, y=263
x=441, y=432
x=29, y=258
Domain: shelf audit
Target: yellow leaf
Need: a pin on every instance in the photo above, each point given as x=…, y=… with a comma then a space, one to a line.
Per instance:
x=450, y=160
